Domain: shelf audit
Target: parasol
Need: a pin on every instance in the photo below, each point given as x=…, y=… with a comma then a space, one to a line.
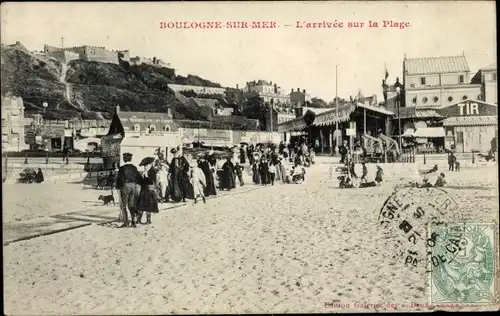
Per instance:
x=146, y=161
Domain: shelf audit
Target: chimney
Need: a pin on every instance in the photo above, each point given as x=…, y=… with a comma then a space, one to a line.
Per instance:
x=117, y=110
x=292, y=89
x=169, y=112
x=304, y=91
x=298, y=89
x=154, y=60
x=237, y=88
x=271, y=83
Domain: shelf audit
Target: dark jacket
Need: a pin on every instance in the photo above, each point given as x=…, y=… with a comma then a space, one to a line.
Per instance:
x=127, y=173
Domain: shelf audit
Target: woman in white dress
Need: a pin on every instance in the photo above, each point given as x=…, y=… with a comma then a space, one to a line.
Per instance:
x=198, y=181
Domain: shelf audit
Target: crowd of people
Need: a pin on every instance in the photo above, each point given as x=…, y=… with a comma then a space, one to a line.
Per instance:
x=162, y=181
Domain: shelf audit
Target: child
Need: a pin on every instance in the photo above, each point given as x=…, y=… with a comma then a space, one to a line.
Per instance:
x=379, y=175
x=457, y=166
x=272, y=172
x=440, y=182
x=239, y=172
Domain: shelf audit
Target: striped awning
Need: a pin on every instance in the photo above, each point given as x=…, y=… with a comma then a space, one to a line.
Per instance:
x=471, y=121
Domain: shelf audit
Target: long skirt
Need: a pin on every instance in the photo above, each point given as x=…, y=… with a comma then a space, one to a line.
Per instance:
x=148, y=201
x=256, y=177
x=210, y=187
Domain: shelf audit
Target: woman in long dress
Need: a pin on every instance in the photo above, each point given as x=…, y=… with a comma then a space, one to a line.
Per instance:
x=228, y=175
x=198, y=181
x=208, y=171
x=148, y=201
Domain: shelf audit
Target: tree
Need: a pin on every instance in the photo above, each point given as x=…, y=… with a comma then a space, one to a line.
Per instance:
x=318, y=103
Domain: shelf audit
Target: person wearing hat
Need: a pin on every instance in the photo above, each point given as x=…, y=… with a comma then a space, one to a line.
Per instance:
x=204, y=165
x=227, y=175
x=126, y=182
x=179, y=168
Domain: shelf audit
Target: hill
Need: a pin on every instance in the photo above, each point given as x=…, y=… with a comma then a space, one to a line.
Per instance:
x=91, y=90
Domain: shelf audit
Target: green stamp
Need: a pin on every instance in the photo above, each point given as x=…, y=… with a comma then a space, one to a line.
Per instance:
x=462, y=263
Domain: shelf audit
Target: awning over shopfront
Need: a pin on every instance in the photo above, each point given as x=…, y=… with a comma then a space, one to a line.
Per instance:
x=471, y=121
x=331, y=117
x=429, y=132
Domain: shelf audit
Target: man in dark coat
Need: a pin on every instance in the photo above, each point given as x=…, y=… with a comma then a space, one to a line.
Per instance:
x=264, y=171
x=204, y=165
x=126, y=181
x=228, y=175
x=243, y=155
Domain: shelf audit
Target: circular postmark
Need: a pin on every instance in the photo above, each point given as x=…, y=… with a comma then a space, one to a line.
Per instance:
x=409, y=219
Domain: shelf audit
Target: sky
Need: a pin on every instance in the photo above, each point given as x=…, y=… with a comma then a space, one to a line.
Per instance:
x=292, y=57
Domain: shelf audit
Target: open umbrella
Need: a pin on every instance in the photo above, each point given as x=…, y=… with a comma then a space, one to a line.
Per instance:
x=146, y=161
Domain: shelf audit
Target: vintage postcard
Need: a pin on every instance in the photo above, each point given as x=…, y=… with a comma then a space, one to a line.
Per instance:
x=249, y=157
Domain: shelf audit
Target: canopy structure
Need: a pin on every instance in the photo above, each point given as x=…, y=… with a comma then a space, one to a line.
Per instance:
x=331, y=117
x=429, y=132
x=409, y=133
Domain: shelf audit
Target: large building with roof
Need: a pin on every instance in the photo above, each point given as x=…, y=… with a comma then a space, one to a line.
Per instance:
x=432, y=82
x=487, y=78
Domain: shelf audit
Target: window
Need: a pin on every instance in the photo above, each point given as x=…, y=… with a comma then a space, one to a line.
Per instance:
x=412, y=85
x=461, y=79
x=450, y=99
x=494, y=77
x=137, y=127
x=424, y=99
x=436, y=99
x=422, y=80
x=414, y=100
x=166, y=128
x=464, y=97
x=152, y=128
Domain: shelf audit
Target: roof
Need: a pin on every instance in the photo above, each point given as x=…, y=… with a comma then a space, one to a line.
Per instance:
x=429, y=132
x=375, y=109
x=428, y=65
x=212, y=103
x=490, y=67
x=471, y=120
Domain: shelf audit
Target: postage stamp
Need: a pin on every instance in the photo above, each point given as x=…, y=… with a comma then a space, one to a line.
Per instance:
x=462, y=263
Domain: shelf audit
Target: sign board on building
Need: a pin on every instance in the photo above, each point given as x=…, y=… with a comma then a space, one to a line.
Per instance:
x=468, y=108
x=350, y=132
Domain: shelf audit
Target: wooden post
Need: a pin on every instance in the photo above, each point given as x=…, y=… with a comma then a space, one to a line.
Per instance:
x=424, y=158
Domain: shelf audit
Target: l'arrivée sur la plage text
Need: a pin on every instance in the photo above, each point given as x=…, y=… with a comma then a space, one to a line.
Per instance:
x=334, y=24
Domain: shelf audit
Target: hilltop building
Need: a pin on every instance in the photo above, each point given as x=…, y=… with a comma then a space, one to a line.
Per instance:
x=269, y=93
x=156, y=62
x=197, y=89
x=87, y=53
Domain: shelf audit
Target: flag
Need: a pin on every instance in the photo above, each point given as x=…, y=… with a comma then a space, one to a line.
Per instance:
x=386, y=72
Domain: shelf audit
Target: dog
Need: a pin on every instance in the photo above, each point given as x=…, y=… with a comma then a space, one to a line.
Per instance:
x=457, y=166
x=107, y=199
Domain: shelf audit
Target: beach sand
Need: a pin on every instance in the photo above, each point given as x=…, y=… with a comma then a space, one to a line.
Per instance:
x=287, y=248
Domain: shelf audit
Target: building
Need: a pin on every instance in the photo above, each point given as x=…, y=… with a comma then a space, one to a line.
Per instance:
x=87, y=53
x=470, y=126
x=432, y=82
x=299, y=98
x=139, y=133
x=216, y=107
x=487, y=78
x=197, y=89
x=156, y=62
x=13, y=124
x=269, y=93
x=354, y=120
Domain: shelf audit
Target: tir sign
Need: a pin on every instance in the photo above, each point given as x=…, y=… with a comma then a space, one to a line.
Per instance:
x=469, y=109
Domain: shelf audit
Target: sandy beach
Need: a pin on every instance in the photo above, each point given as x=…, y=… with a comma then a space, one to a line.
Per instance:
x=281, y=249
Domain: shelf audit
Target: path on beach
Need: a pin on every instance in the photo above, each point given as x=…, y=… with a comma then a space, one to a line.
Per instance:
x=287, y=248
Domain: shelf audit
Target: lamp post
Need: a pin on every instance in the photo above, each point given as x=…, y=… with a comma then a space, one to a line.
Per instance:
x=398, y=103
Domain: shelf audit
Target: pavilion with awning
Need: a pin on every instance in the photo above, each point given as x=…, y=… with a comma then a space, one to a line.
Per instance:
x=353, y=119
